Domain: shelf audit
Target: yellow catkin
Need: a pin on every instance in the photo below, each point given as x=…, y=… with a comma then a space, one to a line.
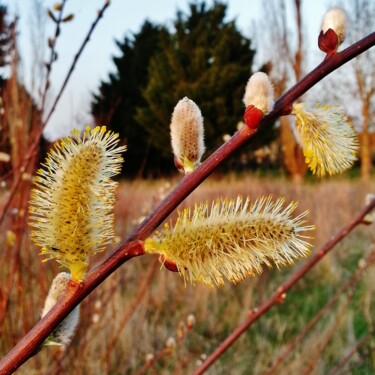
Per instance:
x=232, y=240
x=329, y=141
x=71, y=207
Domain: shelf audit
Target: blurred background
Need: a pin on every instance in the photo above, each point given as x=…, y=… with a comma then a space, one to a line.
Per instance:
x=140, y=60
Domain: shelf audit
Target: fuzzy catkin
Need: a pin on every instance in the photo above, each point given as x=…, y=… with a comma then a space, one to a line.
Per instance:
x=336, y=20
x=187, y=134
x=71, y=207
x=233, y=240
x=259, y=92
x=329, y=141
x=63, y=334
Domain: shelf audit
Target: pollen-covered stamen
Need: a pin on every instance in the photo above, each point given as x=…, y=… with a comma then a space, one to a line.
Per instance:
x=72, y=203
x=233, y=239
x=329, y=141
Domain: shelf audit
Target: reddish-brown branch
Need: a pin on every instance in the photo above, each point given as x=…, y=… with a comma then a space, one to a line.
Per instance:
x=278, y=295
x=131, y=247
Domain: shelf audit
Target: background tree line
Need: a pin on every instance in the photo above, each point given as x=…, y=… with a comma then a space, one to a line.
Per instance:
x=204, y=56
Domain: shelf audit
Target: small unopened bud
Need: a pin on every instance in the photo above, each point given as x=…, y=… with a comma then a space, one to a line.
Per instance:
x=226, y=137
x=361, y=263
x=170, y=344
x=4, y=157
x=281, y=298
x=95, y=318
x=26, y=176
x=63, y=334
x=57, y=6
x=240, y=125
x=10, y=237
x=259, y=93
x=181, y=330
x=187, y=135
x=190, y=321
x=149, y=358
x=333, y=30
x=98, y=305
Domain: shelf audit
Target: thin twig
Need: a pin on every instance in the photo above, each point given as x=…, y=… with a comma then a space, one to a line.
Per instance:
x=76, y=57
x=142, y=290
x=350, y=354
x=19, y=354
x=280, y=292
x=52, y=59
x=351, y=283
x=35, y=144
x=313, y=362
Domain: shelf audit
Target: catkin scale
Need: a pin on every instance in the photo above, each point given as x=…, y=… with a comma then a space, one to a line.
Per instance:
x=232, y=240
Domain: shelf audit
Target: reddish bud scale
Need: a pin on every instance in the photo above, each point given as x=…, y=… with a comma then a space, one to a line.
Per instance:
x=252, y=117
x=168, y=264
x=178, y=164
x=328, y=42
x=281, y=298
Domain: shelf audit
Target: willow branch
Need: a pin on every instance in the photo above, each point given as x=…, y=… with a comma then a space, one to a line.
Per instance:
x=52, y=54
x=279, y=294
x=132, y=247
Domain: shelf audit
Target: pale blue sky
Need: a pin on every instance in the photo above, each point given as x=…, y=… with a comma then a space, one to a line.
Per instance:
x=121, y=17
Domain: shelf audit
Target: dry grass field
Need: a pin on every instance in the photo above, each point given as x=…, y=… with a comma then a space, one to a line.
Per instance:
x=136, y=310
